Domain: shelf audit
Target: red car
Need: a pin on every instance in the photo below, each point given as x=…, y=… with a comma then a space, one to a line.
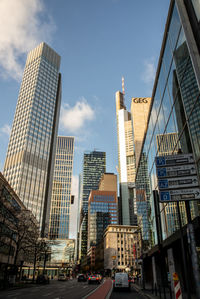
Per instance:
x=96, y=278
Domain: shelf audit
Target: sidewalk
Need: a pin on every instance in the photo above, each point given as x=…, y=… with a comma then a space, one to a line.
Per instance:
x=147, y=292
x=102, y=292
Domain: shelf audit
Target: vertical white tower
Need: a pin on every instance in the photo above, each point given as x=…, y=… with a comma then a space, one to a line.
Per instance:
x=126, y=162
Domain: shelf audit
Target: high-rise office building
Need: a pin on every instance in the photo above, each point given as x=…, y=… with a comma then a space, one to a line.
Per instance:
x=61, y=190
x=30, y=157
x=94, y=166
x=108, y=182
x=175, y=108
x=126, y=162
x=139, y=113
x=102, y=211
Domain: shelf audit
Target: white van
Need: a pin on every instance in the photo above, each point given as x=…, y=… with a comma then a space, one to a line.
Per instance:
x=121, y=280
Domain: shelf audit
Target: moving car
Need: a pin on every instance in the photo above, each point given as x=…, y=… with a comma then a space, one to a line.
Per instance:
x=62, y=277
x=81, y=277
x=96, y=278
x=121, y=281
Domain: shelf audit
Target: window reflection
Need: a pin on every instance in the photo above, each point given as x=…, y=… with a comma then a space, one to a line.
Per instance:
x=196, y=5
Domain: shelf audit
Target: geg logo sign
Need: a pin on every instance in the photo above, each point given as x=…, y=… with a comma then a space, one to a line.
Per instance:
x=140, y=100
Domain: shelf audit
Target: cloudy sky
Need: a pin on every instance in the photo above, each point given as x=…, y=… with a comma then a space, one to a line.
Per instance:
x=99, y=42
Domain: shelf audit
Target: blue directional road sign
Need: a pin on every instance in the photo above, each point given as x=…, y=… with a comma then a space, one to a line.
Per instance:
x=161, y=172
x=165, y=196
x=163, y=184
x=160, y=161
x=180, y=195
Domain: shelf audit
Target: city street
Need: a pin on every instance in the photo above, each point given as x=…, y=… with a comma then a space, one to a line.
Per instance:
x=126, y=294
x=54, y=290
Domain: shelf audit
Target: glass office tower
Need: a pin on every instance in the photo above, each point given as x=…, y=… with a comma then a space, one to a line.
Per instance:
x=174, y=119
x=94, y=166
x=61, y=190
x=30, y=157
x=102, y=211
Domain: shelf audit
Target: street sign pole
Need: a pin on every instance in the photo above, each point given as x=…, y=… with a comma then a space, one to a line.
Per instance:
x=192, y=244
x=160, y=239
x=185, y=272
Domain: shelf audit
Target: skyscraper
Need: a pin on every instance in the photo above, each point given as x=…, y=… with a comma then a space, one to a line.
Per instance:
x=30, y=157
x=174, y=117
x=61, y=191
x=102, y=211
x=94, y=166
x=126, y=162
x=139, y=113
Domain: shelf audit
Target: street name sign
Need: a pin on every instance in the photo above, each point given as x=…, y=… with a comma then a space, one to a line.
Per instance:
x=180, y=195
x=177, y=178
x=174, y=160
x=178, y=182
x=174, y=171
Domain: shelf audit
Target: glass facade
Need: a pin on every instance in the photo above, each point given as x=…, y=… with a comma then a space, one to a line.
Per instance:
x=102, y=211
x=61, y=190
x=94, y=166
x=174, y=119
x=29, y=161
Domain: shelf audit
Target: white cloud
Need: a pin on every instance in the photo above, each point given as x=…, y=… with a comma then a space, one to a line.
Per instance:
x=6, y=129
x=73, y=118
x=21, y=29
x=148, y=75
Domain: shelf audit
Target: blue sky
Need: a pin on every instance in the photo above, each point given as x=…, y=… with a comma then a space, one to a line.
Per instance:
x=99, y=42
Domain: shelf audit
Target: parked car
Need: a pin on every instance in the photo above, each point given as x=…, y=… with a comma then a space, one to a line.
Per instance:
x=42, y=278
x=62, y=277
x=81, y=277
x=96, y=278
x=121, y=281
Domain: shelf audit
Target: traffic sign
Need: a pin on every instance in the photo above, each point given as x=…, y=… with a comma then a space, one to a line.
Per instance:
x=175, y=276
x=180, y=159
x=180, y=195
x=177, y=178
x=174, y=171
x=178, y=182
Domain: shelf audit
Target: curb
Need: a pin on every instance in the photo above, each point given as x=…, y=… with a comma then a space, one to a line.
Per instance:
x=109, y=293
x=93, y=291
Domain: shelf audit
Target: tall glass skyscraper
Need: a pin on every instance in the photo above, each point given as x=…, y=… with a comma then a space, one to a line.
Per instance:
x=102, y=211
x=174, y=118
x=30, y=157
x=174, y=128
x=61, y=191
x=94, y=166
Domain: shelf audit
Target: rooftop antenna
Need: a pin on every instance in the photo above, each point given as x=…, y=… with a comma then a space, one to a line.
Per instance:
x=123, y=91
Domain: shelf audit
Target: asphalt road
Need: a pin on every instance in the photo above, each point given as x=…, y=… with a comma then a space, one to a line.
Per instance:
x=55, y=290
x=119, y=294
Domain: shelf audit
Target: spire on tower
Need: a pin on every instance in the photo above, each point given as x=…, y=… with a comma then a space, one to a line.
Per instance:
x=123, y=91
